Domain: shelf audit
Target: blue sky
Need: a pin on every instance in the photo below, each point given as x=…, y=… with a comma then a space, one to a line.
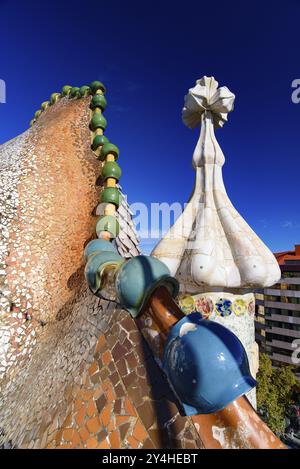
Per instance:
x=148, y=54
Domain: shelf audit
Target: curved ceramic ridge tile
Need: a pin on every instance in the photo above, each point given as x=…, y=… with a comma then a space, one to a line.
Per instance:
x=210, y=243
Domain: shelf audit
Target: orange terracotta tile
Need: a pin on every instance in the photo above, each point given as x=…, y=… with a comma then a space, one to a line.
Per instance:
x=79, y=418
x=129, y=409
x=100, y=344
x=106, y=357
x=93, y=368
x=75, y=439
x=93, y=424
x=68, y=434
x=98, y=392
x=133, y=443
x=105, y=414
x=91, y=408
x=139, y=431
x=103, y=445
x=84, y=434
x=121, y=419
x=92, y=443
x=110, y=394
x=65, y=446
x=78, y=404
x=114, y=439
x=86, y=395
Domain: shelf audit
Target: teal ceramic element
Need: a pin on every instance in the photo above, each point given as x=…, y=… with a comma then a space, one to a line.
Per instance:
x=97, y=85
x=109, y=148
x=111, y=169
x=37, y=114
x=44, y=105
x=98, y=100
x=138, y=278
x=54, y=98
x=98, y=141
x=108, y=223
x=98, y=122
x=84, y=90
x=111, y=195
x=96, y=264
x=98, y=245
x=74, y=92
x=66, y=90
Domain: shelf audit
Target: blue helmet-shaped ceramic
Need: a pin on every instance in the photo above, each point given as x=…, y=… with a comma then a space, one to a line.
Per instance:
x=206, y=365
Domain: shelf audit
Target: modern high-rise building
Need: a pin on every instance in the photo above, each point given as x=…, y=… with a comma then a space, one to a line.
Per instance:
x=277, y=313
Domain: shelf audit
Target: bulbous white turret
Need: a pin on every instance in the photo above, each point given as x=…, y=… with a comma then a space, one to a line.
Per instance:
x=210, y=243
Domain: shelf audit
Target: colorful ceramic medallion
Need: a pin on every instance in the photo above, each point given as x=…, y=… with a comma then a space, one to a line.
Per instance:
x=223, y=307
x=205, y=306
x=186, y=303
x=239, y=307
x=251, y=307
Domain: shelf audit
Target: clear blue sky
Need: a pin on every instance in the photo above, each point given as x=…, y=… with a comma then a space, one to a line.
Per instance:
x=148, y=54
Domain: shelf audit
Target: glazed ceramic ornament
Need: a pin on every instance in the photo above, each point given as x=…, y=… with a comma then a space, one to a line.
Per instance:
x=206, y=365
x=210, y=244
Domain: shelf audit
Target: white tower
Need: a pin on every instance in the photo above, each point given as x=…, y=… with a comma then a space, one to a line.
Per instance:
x=211, y=250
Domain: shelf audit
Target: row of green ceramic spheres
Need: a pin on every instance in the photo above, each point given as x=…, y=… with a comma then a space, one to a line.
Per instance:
x=76, y=92
x=110, y=169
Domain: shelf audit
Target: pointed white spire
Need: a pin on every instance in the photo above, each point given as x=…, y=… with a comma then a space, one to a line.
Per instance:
x=210, y=243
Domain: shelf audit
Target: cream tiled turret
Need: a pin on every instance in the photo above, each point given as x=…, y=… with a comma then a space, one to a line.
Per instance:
x=210, y=243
